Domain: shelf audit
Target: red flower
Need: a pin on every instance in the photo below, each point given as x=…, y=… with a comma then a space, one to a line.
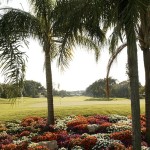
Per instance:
x=104, y=126
x=88, y=142
x=25, y=133
x=124, y=136
x=75, y=141
x=9, y=147
x=48, y=136
x=32, y=121
x=78, y=120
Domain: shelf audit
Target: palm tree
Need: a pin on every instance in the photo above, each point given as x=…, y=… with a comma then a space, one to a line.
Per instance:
x=18, y=22
x=23, y=24
x=123, y=16
x=143, y=34
x=40, y=25
x=127, y=18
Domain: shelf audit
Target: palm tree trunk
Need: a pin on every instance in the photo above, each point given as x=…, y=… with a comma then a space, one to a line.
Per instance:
x=50, y=117
x=134, y=88
x=146, y=55
x=144, y=32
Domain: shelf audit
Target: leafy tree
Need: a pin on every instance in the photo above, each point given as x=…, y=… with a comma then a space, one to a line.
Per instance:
x=61, y=93
x=120, y=90
x=142, y=91
x=33, y=89
x=97, y=89
x=9, y=91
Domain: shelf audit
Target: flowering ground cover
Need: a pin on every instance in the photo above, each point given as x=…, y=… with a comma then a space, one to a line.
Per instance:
x=98, y=132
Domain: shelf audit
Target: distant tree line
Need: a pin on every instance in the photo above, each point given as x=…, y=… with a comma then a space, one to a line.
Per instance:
x=64, y=93
x=33, y=89
x=97, y=89
x=61, y=93
x=121, y=90
x=30, y=89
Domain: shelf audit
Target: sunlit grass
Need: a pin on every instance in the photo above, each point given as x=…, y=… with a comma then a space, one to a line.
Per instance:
x=64, y=106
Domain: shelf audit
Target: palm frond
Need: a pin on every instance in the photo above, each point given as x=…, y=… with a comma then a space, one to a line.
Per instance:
x=12, y=62
x=75, y=17
x=75, y=27
x=43, y=10
x=15, y=26
x=20, y=23
x=110, y=62
x=11, y=58
x=64, y=56
x=116, y=36
x=90, y=45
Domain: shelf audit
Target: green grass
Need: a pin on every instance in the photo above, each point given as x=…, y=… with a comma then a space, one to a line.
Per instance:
x=64, y=106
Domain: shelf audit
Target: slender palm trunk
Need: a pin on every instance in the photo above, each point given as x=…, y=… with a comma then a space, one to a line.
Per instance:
x=144, y=32
x=134, y=88
x=50, y=117
x=146, y=55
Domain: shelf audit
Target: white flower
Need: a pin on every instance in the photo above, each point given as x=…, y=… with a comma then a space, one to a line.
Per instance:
x=33, y=145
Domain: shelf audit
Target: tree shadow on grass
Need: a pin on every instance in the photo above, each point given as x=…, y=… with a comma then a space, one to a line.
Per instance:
x=98, y=99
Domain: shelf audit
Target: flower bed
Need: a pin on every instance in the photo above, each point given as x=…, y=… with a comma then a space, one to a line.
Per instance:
x=97, y=132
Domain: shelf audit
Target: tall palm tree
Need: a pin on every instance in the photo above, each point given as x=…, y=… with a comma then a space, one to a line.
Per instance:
x=127, y=17
x=40, y=25
x=123, y=15
x=143, y=32
x=24, y=24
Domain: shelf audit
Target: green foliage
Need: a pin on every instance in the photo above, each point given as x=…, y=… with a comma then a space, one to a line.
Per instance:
x=142, y=91
x=120, y=90
x=9, y=91
x=33, y=89
x=98, y=88
x=61, y=93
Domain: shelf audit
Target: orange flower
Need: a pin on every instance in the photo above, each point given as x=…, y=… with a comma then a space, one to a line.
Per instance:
x=9, y=147
x=88, y=142
x=78, y=120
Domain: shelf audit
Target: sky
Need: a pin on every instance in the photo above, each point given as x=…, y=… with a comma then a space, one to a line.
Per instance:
x=83, y=70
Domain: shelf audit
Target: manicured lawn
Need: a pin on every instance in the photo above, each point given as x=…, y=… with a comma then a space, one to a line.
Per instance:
x=64, y=106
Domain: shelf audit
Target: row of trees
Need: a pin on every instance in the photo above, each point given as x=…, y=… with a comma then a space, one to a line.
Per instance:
x=98, y=89
x=30, y=89
x=33, y=89
x=69, y=21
